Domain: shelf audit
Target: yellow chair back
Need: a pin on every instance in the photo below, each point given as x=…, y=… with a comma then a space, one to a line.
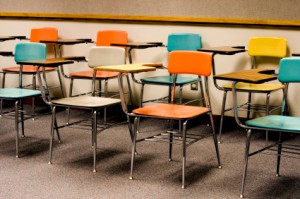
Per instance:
x=267, y=46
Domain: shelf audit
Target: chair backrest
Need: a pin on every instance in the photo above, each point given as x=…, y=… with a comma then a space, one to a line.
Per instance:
x=47, y=33
x=190, y=62
x=30, y=51
x=289, y=70
x=267, y=46
x=184, y=41
x=106, y=37
x=106, y=55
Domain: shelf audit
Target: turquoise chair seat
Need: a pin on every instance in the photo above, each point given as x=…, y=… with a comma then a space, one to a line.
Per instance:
x=18, y=93
x=168, y=80
x=278, y=122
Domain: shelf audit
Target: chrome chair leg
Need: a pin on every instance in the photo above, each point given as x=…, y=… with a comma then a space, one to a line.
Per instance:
x=21, y=107
x=222, y=115
x=279, y=155
x=94, y=135
x=202, y=92
x=215, y=140
x=17, y=127
x=249, y=105
x=53, y=109
x=183, y=154
x=60, y=83
x=71, y=87
x=171, y=139
x=133, y=147
x=246, y=162
x=130, y=90
x=267, y=113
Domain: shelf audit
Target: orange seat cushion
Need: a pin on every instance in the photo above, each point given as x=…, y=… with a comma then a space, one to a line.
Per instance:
x=26, y=69
x=171, y=111
x=89, y=74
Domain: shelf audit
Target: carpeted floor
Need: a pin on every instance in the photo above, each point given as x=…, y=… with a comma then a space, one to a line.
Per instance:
x=71, y=176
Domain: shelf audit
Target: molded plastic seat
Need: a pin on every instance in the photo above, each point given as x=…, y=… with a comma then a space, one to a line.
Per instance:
x=180, y=62
x=176, y=41
x=23, y=52
x=18, y=93
x=272, y=47
x=289, y=73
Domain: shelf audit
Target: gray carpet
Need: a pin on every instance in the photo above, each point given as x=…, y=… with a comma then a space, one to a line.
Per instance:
x=71, y=176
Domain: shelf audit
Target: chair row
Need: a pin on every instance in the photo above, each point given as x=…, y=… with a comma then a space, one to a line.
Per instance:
x=180, y=61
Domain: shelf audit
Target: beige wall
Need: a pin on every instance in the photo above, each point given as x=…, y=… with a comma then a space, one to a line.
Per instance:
x=211, y=36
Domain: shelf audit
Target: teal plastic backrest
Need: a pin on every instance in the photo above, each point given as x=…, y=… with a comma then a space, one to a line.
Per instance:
x=30, y=51
x=289, y=70
x=184, y=41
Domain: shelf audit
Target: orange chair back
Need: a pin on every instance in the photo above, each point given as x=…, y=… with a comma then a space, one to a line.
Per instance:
x=106, y=37
x=47, y=33
x=190, y=62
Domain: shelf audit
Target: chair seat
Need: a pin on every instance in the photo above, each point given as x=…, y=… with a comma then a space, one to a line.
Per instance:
x=255, y=87
x=89, y=74
x=171, y=111
x=18, y=93
x=26, y=69
x=168, y=80
x=86, y=101
x=278, y=122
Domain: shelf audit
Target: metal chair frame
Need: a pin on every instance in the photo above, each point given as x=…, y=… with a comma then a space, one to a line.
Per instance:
x=288, y=73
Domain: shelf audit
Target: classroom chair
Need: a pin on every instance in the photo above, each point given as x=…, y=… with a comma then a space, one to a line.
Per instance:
x=258, y=48
x=180, y=62
x=23, y=52
x=176, y=41
x=36, y=35
x=104, y=38
x=97, y=56
x=289, y=73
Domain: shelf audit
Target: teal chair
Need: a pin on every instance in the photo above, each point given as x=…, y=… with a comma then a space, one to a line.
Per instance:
x=289, y=72
x=23, y=52
x=176, y=41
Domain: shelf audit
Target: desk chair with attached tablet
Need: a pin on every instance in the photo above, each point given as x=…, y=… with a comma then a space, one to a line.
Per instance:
x=104, y=38
x=258, y=48
x=289, y=73
x=176, y=41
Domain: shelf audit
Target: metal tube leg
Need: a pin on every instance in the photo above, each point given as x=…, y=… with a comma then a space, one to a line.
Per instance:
x=267, y=113
x=94, y=135
x=170, y=146
x=129, y=88
x=279, y=155
x=22, y=118
x=141, y=104
x=215, y=140
x=142, y=95
x=52, y=133
x=33, y=99
x=183, y=154
x=202, y=92
x=71, y=87
x=57, y=131
x=17, y=127
x=222, y=115
x=249, y=106
x=60, y=83
x=133, y=147
x=246, y=162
